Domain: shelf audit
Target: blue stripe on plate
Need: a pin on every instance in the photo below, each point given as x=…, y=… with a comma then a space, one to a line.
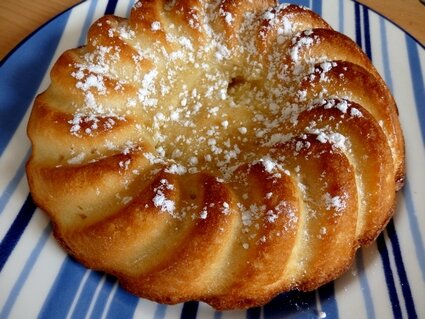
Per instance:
x=293, y=304
x=218, y=314
x=13, y=183
x=417, y=82
x=401, y=270
x=305, y=3
x=24, y=78
x=123, y=304
x=15, y=231
x=86, y=295
x=414, y=227
x=317, y=6
x=389, y=277
x=103, y=296
x=357, y=25
x=62, y=293
x=190, y=310
x=253, y=313
x=367, y=296
x=130, y=5
x=328, y=300
x=341, y=16
x=366, y=28
x=385, y=55
x=160, y=311
x=23, y=276
x=110, y=8
x=87, y=22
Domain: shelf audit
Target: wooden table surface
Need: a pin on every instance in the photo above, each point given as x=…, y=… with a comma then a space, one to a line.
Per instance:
x=20, y=18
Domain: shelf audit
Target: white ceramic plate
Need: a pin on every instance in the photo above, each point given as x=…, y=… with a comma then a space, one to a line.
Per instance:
x=37, y=278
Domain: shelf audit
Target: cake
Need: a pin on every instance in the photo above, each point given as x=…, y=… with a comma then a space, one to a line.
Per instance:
x=220, y=151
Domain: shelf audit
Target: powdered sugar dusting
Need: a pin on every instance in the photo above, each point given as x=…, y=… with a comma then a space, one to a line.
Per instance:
x=336, y=203
x=160, y=199
x=208, y=101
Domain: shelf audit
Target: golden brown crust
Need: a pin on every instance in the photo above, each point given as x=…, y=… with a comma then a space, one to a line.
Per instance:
x=216, y=151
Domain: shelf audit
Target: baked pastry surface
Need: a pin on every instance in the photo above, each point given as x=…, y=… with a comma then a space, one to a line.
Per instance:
x=223, y=151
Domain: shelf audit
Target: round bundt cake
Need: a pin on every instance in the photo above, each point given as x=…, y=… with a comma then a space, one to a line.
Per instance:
x=222, y=151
